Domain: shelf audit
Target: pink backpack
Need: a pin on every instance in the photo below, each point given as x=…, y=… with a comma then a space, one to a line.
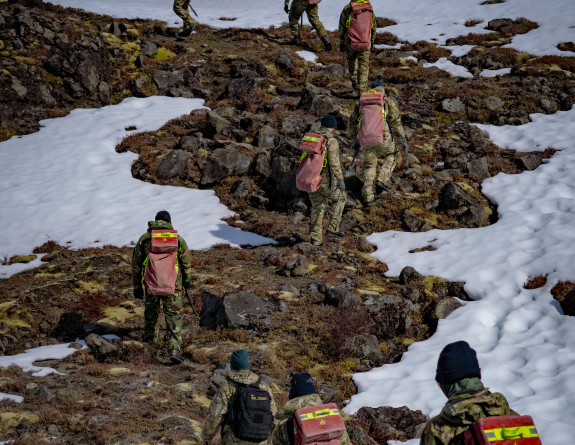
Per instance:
x=318, y=425
x=360, y=25
x=372, y=118
x=162, y=263
x=313, y=2
x=312, y=161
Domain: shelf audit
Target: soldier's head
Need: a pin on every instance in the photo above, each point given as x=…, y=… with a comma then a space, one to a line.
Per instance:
x=329, y=121
x=456, y=362
x=301, y=384
x=163, y=215
x=239, y=360
x=377, y=85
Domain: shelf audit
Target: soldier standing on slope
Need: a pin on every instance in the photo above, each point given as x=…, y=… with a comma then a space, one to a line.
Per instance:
x=298, y=7
x=181, y=9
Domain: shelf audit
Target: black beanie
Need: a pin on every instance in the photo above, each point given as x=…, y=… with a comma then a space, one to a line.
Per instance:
x=301, y=384
x=457, y=361
x=328, y=121
x=163, y=215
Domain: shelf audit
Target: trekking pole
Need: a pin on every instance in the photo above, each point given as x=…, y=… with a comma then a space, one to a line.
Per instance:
x=190, y=300
x=300, y=27
x=354, y=157
x=343, y=62
x=194, y=11
x=333, y=212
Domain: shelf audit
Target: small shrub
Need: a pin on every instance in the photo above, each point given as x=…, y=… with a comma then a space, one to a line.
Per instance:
x=92, y=305
x=472, y=22
x=535, y=282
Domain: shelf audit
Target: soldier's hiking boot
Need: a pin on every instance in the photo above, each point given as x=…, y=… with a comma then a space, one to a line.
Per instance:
x=175, y=356
x=326, y=43
x=381, y=187
x=186, y=31
x=338, y=235
x=295, y=41
x=368, y=204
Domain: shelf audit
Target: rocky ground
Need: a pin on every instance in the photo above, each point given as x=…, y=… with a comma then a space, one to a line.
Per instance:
x=329, y=310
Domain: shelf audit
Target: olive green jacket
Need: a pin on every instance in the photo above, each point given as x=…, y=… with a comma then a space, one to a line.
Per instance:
x=393, y=119
x=344, y=27
x=218, y=410
x=141, y=252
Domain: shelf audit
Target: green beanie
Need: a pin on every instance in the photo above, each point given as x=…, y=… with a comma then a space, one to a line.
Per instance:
x=240, y=360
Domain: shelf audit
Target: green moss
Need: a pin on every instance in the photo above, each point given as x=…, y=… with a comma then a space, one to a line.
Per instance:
x=51, y=80
x=6, y=132
x=430, y=281
x=164, y=54
x=24, y=259
x=522, y=57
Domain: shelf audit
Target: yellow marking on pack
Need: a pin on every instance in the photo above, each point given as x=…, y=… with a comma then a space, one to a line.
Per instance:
x=520, y=432
x=359, y=2
x=164, y=235
x=319, y=413
x=310, y=138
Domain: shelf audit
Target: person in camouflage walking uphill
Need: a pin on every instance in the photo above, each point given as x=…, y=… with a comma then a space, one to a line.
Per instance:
x=181, y=9
x=219, y=410
x=458, y=375
x=298, y=7
x=302, y=394
x=357, y=60
x=331, y=186
x=385, y=150
x=172, y=304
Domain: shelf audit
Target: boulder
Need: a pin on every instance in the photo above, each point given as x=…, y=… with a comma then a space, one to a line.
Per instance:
x=529, y=161
x=295, y=267
x=549, y=106
x=43, y=395
x=285, y=59
x=341, y=296
x=479, y=168
x=328, y=394
x=568, y=303
x=148, y=48
x=262, y=163
x=391, y=315
x=453, y=105
x=367, y=348
x=474, y=216
x=100, y=347
x=400, y=423
x=242, y=309
x=323, y=104
x=174, y=164
x=221, y=163
x=266, y=137
x=494, y=103
x=409, y=275
x=415, y=223
x=191, y=143
x=241, y=188
x=497, y=24
x=242, y=87
x=212, y=314
x=358, y=436
x=452, y=196
x=166, y=79
x=216, y=124
x=445, y=306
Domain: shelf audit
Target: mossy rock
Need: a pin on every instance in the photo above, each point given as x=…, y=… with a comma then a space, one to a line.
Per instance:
x=9, y=420
x=12, y=314
x=23, y=259
x=164, y=54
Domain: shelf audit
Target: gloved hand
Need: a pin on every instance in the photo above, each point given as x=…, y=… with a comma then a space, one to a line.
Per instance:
x=139, y=294
x=286, y=8
x=403, y=143
x=341, y=184
x=342, y=47
x=355, y=144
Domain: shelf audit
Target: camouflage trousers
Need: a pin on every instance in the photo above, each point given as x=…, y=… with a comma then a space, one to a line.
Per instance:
x=181, y=9
x=172, y=307
x=371, y=155
x=320, y=200
x=298, y=7
x=358, y=66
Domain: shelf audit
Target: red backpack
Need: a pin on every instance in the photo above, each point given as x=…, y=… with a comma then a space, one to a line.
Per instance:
x=372, y=118
x=162, y=263
x=359, y=24
x=318, y=425
x=503, y=430
x=313, y=2
x=312, y=161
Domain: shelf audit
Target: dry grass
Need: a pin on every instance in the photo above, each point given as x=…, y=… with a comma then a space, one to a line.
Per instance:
x=472, y=22
x=536, y=282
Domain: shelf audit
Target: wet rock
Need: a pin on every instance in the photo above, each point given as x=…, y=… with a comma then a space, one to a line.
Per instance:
x=452, y=196
x=494, y=103
x=479, y=168
x=221, y=163
x=100, y=347
x=529, y=161
x=43, y=395
x=174, y=164
x=266, y=137
x=400, y=423
x=212, y=314
x=295, y=267
x=341, y=296
x=409, y=275
x=241, y=188
x=453, y=105
x=474, y=216
x=242, y=309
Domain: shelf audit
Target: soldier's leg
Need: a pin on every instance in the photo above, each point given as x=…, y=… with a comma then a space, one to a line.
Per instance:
x=318, y=204
x=151, y=312
x=313, y=17
x=369, y=172
x=362, y=69
x=336, y=210
x=181, y=9
x=173, y=313
x=296, y=10
x=390, y=157
x=352, y=67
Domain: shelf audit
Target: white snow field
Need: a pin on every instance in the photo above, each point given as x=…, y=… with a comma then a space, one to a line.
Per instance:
x=67, y=183
x=416, y=19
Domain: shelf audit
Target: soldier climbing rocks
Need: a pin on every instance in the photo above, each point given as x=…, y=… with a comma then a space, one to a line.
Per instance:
x=310, y=7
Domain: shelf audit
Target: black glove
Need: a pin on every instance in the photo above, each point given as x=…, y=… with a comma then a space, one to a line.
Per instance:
x=139, y=294
x=286, y=8
x=355, y=144
x=403, y=143
x=341, y=184
x=342, y=47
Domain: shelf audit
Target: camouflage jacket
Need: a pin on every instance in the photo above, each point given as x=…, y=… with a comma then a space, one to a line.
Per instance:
x=461, y=410
x=344, y=27
x=280, y=434
x=141, y=252
x=333, y=166
x=393, y=120
x=218, y=410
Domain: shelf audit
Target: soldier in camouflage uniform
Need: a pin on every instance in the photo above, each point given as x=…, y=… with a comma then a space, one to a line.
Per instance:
x=357, y=61
x=458, y=375
x=385, y=150
x=217, y=417
x=181, y=9
x=331, y=186
x=172, y=304
x=303, y=394
x=298, y=7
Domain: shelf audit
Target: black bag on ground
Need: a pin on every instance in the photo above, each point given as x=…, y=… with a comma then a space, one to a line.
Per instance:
x=250, y=415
